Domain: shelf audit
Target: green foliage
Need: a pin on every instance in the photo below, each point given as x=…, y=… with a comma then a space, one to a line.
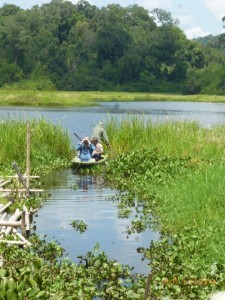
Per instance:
x=177, y=139
x=205, y=39
x=66, y=46
x=49, y=276
x=200, y=81
x=50, y=145
x=79, y=225
x=141, y=168
x=178, y=273
x=216, y=86
x=178, y=191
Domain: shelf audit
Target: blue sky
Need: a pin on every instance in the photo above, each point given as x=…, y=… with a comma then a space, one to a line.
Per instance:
x=197, y=17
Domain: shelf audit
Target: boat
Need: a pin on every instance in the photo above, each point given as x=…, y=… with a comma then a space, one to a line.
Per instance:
x=76, y=163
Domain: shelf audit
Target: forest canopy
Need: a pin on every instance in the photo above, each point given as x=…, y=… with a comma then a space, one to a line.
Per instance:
x=80, y=47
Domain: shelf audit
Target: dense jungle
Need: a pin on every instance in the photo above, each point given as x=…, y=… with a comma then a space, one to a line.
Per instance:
x=80, y=47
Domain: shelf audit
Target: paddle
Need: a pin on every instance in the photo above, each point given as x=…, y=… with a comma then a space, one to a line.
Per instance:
x=77, y=136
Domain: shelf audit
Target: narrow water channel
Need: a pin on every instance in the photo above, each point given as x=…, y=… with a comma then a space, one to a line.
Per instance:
x=83, y=197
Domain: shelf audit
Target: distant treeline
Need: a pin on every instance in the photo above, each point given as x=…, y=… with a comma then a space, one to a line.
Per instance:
x=80, y=47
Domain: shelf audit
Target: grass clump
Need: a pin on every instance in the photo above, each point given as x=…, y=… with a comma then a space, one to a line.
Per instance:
x=174, y=171
x=179, y=139
x=50, y=145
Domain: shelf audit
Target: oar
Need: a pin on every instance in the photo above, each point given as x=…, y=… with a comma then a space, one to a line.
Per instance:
x=104, y=141
x=77, y=136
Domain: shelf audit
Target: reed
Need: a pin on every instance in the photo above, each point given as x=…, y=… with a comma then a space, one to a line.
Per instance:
x=198, y=201
x=49, y=144
x=179, y=139
x=194, y=198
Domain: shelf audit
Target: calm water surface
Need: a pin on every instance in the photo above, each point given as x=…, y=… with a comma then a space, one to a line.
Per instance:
x=90, y=202
x=82, y=119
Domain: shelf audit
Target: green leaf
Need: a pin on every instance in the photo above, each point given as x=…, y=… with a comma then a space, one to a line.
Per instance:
x=2, y=272
x=21, y=285
x=11, y=295
x=32, y=292
x=40, y=294
x=11, y=283
x=32, y=283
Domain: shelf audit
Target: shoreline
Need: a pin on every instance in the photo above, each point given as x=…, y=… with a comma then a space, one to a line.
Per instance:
x=82, y=99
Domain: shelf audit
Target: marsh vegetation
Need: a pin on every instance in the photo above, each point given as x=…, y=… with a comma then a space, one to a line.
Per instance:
x=80, y=99
x=172, y=174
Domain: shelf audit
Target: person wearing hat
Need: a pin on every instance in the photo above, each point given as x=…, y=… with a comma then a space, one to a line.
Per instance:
x=100, y=133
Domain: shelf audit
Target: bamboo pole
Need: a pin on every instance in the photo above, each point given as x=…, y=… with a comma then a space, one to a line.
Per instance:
x=12, y=242
x=21, y=179
x=21, y=190
x=28, y=162
x=3, y=216
x=23, y=225
x=24, y=176
x=14, y=217
x=27, y=219
x=147, y=288
x=33, y=211
x=5, y=206
x=21, y=237
x=10, y=223
x=5, y=182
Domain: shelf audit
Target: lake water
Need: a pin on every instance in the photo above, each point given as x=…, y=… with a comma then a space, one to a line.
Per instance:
x=82, y=120
x=90, y=201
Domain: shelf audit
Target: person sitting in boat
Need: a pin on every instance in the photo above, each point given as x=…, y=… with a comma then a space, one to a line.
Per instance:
x=85, y=149
x=100, y=133
x=96, y=154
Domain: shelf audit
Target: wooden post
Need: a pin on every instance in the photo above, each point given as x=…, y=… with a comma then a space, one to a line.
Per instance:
x=28, y=161
x=21, y=179
x=27, y=220
x=147, y=288
x=23, y=225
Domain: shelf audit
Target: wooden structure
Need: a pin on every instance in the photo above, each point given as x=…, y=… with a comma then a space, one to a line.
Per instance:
x=19, y=222
x=14, y=188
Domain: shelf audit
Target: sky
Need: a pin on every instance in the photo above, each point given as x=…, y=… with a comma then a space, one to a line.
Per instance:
x=197, y=18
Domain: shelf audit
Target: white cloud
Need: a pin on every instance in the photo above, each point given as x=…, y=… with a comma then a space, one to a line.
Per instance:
x=195, y=32
x=216, y=7
x=189, y=26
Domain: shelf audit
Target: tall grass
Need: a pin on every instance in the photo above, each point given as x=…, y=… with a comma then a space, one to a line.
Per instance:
x=180, y=139
x=49, y=144
x=198, y=201
x=195, y=198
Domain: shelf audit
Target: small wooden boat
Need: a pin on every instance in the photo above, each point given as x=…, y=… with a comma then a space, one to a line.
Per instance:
x=76, y=163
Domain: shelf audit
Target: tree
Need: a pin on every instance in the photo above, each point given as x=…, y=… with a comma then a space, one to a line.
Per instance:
x=164, y=18
x=112, y=42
